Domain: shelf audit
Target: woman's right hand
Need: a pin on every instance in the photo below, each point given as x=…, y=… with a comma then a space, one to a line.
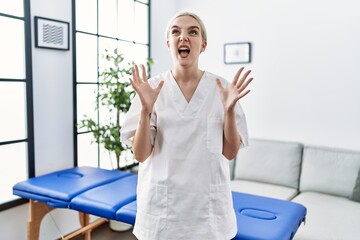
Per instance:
x=147, y=94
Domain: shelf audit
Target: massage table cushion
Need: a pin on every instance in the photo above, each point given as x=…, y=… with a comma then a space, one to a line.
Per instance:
x=57, y=189
x=105, y=200
x=263, y=218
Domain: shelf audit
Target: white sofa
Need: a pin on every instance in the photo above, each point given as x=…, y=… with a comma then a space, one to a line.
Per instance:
x=325, y=180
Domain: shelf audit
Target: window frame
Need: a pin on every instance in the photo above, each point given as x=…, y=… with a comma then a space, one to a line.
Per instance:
x=76, y=83
x=29, y=102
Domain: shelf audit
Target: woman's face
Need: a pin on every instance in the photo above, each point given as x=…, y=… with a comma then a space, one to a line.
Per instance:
x=185, y=41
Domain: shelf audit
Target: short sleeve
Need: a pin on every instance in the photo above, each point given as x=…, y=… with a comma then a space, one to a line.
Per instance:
x=131, y=122
x=242, y=125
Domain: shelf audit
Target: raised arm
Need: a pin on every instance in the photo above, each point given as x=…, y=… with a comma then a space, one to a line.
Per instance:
x=229, y=97
x=141, y=145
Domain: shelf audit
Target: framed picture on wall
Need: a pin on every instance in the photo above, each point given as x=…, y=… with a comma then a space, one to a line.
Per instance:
x=51, y=34
x=239, y=52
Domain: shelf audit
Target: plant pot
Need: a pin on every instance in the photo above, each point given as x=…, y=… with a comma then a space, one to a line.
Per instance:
x=119, y=226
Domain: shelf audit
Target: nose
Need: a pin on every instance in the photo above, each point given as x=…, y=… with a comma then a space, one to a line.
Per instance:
x=183, y=38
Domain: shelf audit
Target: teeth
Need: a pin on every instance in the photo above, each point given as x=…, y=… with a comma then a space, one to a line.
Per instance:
x=184, y=50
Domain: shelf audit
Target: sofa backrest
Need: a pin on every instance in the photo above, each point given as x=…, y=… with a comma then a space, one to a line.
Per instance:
x=329, y=170
x=269, y=161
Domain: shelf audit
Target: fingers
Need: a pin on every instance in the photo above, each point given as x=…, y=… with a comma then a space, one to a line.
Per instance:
x=241, y=95
x=144, y=77
x=136, y=75
x=133, y=84
x=218, y=83
x=243, y=78
x=244, y=85
x=244, y=94
x=237, y=75
x=138, y=87
x=161, y=84
x=239, y=82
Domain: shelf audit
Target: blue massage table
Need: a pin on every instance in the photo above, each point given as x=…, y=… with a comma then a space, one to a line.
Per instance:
x=111, y=194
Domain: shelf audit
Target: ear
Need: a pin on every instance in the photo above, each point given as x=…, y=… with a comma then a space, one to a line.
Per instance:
x=203, y=46
x=168, y=44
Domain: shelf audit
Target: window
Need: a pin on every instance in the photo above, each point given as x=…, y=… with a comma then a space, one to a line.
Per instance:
x=16, y=130
x=103, y=25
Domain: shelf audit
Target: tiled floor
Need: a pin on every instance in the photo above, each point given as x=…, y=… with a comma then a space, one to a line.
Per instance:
x=105, y=233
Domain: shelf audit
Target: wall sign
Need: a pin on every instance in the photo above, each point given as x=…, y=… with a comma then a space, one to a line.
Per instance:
x=51, y=34
x=237, y=53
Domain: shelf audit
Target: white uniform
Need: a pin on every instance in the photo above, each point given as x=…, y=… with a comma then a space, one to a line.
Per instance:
x=183, y=188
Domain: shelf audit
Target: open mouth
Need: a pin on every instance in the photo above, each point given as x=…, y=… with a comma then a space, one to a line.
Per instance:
x=184, y=51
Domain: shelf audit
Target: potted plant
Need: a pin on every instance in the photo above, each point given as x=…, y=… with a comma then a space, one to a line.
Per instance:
x=115, y=95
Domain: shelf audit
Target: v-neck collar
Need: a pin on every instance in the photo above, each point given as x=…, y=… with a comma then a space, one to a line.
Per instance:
x=184, y=107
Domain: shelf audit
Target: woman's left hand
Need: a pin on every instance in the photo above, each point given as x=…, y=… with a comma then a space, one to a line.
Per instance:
x=235, y=91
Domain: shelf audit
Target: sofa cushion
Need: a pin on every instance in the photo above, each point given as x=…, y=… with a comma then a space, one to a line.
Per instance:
x=269, y=161
x=328, y=217
x=263, y=189
x=356, y=192
x=329, y=170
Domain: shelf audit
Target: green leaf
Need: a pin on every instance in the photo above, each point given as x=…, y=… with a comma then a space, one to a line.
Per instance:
x=114, y=96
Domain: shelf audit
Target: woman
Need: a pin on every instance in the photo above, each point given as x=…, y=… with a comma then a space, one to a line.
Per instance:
x=184, y=125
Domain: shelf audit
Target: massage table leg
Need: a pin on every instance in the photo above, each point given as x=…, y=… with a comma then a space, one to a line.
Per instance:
x=38, y=210
x=86, y=229
x=84, y=221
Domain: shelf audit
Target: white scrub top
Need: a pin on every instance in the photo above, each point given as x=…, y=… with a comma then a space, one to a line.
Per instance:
x=184, y=187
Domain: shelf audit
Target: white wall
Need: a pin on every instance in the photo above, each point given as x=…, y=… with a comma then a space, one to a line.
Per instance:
x=161, y=13
x=305, y=64
x=53, y=95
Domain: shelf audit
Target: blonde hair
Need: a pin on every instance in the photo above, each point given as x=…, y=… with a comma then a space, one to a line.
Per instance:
x=193, y=15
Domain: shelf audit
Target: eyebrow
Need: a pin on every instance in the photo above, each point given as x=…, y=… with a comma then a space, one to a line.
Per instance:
x=191, y=27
